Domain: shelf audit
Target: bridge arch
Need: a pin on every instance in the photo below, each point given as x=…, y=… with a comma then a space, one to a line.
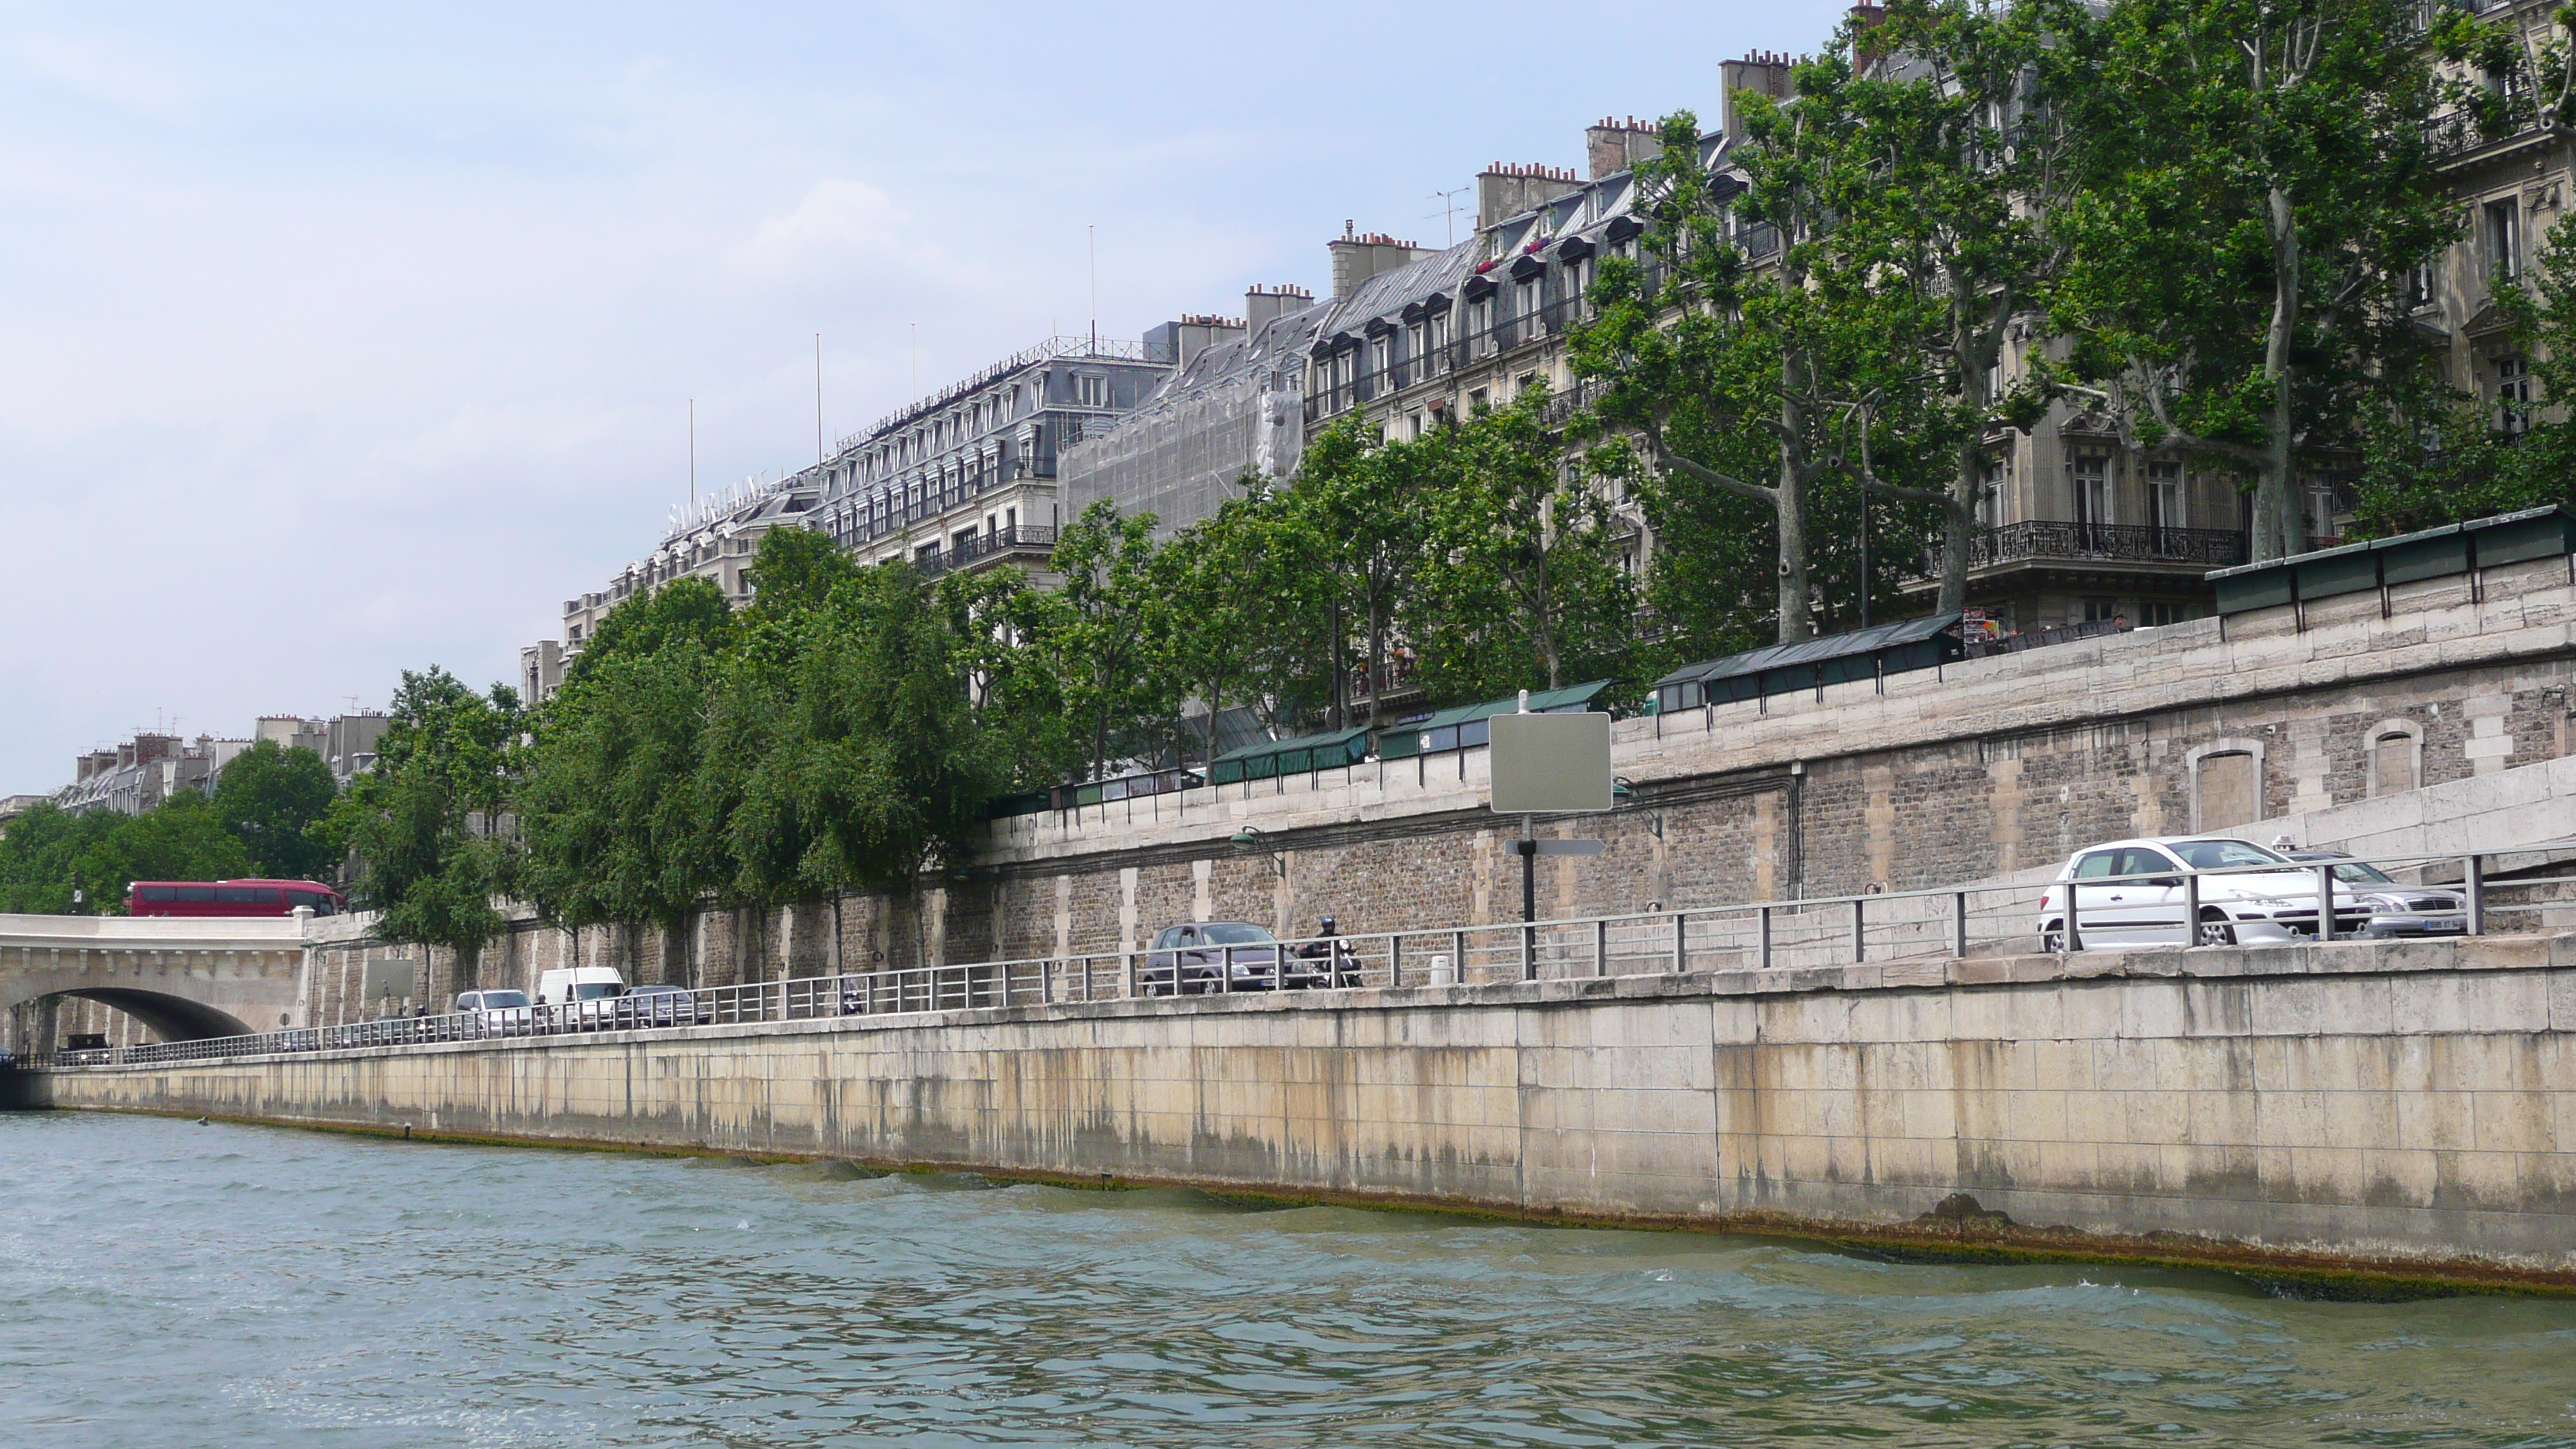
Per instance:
x=181, y=979
x=171, y=1018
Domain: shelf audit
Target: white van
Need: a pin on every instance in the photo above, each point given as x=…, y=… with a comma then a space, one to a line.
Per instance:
x=590, y=990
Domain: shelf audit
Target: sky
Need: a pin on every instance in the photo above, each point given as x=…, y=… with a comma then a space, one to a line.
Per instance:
x=342, y=340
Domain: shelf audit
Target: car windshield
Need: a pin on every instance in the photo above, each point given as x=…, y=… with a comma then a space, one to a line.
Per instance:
x=2221, y=854
x=596, y=990
x=653, y=991
x=1230, y=933
x=505, y=998
x=2353, y=872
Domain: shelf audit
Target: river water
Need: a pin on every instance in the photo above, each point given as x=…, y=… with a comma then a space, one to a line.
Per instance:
x=163, y=1283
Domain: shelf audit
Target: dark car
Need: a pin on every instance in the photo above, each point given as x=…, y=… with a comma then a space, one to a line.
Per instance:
x=1193, y=959
x=655, y=1006
x=2395, y=910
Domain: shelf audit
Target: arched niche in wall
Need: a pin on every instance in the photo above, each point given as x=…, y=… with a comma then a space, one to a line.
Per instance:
x=2226, y=784
x=2393, y=757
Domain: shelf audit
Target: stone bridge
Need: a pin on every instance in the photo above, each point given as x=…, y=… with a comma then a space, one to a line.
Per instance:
x=181, y=979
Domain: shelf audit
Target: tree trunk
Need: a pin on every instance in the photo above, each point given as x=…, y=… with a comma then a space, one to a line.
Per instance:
x=1376, y=657
x=2280, y=524
x=1790, y=503
x=1341, y=707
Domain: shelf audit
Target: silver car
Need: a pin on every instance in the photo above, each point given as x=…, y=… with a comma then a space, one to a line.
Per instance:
x=500, y=1012
x=2396, y=911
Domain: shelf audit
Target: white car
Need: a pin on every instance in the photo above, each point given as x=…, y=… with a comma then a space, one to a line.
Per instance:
x=503, y=1013
x=2257, y=896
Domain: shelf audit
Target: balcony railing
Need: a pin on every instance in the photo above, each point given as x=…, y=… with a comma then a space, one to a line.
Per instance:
x=1037, y=537
x=2206, y=548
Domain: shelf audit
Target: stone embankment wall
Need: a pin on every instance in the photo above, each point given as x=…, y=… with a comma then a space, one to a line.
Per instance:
x=1979, y=770
x=2362, y=1098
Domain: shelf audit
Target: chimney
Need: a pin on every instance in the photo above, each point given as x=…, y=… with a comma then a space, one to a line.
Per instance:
x=1613, y=145
x=1265, y=305
x=1358, y=257
x=1508, y=189
x=1763, y=72
x=1185, y=337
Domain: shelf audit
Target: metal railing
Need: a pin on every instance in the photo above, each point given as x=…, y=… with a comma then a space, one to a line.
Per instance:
x=2165, y=908
x=2119, y=542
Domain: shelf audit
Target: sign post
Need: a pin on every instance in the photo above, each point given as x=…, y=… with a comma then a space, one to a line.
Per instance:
x=1546, y=764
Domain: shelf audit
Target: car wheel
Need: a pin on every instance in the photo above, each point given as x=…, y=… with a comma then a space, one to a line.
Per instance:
x=2052, y=940
x=2216, y=930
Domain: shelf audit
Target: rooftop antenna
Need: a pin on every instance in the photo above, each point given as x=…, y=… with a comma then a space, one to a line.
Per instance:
x=1094, y=233
x=818, y=397
x=1448, y=211
x=916, y=362
x=693, y=454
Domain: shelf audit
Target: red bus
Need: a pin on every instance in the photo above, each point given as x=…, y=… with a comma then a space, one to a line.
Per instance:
x=231, y=898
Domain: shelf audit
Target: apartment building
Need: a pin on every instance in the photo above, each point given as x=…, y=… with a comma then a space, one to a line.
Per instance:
x=968, y=477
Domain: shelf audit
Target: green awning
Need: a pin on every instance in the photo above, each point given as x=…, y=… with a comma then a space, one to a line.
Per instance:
x=1463, y=726
x=2454, y=548
x=1290, y=757
x=1834, y=659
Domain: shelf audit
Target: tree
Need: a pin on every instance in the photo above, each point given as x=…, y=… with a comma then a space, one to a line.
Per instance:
x=1003, y=626
x=49, y=857
x=689, y=608
x=1718, y=374
x=2255, y=183
x=1956, y=161
x=1100, y=641
x=854, y=740
x=423, y=821
x=611, y=806
x=271, y=799
x=1367, y=504
x=1522, y=584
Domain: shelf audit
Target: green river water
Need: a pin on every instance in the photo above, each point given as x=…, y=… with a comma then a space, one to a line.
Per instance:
x=163, y=1283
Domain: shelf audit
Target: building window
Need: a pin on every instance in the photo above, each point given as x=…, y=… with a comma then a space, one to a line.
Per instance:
x=2097, y=611
x=2321, y=516
x=1090, y=390
x=2154, y=615
x=2504, y=241
x=1381, y=358
x=2514, y=396
x=2164, y=497
x=1440, y=332
x=1990, y=496
x=2092, y=479
x=1480, y=318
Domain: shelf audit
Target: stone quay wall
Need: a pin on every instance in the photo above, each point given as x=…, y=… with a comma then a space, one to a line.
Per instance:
x=2415, y=1100
x=1972, y=772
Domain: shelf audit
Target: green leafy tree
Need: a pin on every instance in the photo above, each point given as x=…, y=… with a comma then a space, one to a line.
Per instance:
x=1522, y=584
x=1954, y=162
x=272, y=799
x=1101, y=641
x=56, y=863
x=1719, y=374
x=423, y=821
x=858, y=761
x=2254, y=183
x=1367, y=505
x=1003, y=626
x=690, y=608
x=612, y=809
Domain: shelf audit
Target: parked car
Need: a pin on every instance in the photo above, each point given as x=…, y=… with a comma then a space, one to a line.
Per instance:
x=589, y=990
x=2395, y=910
x=655, y=1006
x=1188, y=960
x=2259, y=896
x=500, y=1012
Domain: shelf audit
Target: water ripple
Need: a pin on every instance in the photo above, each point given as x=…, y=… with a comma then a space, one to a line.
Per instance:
x=166, y=1284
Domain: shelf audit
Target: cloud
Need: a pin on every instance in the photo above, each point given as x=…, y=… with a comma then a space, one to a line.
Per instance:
x=838, y=221
x=111, y=74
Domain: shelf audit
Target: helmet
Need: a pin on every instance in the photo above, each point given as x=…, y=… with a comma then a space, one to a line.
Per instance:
x=1329, y=926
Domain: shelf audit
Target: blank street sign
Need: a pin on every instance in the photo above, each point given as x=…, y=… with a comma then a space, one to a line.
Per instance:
x=1569, y=847
x=1550, y=764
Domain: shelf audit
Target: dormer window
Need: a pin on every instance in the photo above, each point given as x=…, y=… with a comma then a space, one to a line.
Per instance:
x=1090, y=390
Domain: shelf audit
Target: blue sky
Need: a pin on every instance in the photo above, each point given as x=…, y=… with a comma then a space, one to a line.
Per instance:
x=336, y=340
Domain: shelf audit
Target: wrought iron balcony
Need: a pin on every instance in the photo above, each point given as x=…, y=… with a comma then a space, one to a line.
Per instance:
x=2203, y=548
